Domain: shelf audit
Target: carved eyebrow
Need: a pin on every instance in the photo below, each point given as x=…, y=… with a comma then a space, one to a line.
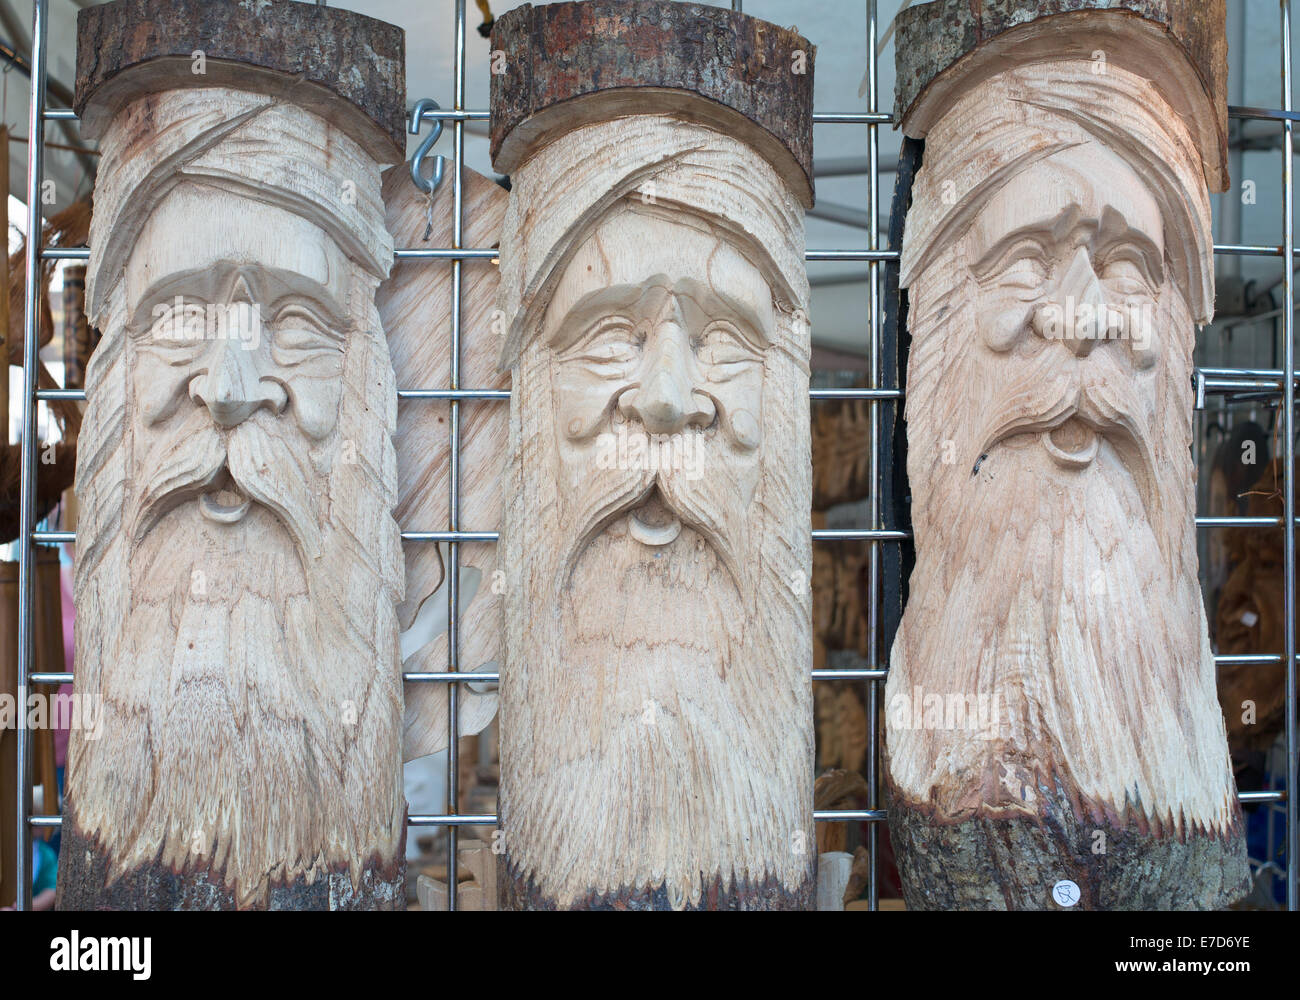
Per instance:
x=1040, y=236
x=716, y=303
x=1116, y=234
x=276, y=285
x=332, y=325
x=624, y=298
x=1112, y=232
x=593, y=306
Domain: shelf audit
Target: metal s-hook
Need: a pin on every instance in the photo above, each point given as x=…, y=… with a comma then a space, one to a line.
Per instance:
x=426, y=184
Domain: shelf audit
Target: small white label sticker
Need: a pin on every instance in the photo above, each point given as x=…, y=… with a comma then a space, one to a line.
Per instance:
x=1065, y=892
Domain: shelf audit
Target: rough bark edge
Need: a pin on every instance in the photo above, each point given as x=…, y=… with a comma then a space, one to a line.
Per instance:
x=561, y=51
x=934, y=38
x=987, y=863
x=359, y=59
x=83, y=884
x=517, y=891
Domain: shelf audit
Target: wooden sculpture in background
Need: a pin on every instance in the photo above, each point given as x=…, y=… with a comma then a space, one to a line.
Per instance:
x=79, y=338
x=1053, y=736
x=238, y=566
x=656, y=717
x=69, y=227
x=1250, y=618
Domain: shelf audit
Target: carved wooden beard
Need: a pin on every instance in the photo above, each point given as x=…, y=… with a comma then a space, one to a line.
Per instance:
x=655, y=708
x=239, y=565
x=1053, y=510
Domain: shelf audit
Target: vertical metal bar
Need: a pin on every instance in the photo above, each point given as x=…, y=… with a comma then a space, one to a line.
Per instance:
x=873, y=586
x=1288, y=466
x=27, y=484
x=453, y=429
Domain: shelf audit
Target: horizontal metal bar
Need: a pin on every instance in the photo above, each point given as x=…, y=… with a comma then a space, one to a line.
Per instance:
x=1227, y=385
x=818, y=534
x=864, y=674
x=433, y=819
x=1274, y=373
x=851, y=255
x=494, y=677
x=449, y=536
x=1248, y=250
x=53, y=537
x=820, y=118
x=411, y=253
x=486, y=253
x=858, y=535
x=874, y=394
x=1251, y=798
x=1248, y=659
x=65, y=253
x=453, y=393
x=852, y=118
x=1262, y=114
x=850, y=815
x=449, y=115
x=446, y=253
x=47, y=820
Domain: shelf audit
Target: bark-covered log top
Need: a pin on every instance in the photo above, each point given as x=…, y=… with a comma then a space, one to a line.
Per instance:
x=706, y=64
x=946, y=46
x=305, y=53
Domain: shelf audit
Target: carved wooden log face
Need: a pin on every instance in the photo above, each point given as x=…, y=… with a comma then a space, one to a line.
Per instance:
x=1051, y=704
x=655, y=702
x=237, y=561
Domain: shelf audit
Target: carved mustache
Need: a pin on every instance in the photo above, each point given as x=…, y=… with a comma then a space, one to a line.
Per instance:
x=262, y=465
x=704, y=505
x=1097, y=392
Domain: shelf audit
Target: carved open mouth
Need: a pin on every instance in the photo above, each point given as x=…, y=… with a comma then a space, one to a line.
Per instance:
x=653, y=523
x=223, y=502
x=1073, y=444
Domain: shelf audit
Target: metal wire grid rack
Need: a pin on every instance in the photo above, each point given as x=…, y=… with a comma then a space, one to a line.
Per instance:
x=1219, y=380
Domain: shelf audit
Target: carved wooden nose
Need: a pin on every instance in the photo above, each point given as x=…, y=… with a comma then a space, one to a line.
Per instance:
x=231, y=388
x=1076, y=312
x=666, y=402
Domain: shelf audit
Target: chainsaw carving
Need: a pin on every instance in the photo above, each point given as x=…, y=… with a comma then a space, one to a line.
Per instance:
x=656, y=718
x=1052, y=717
x=238, y=566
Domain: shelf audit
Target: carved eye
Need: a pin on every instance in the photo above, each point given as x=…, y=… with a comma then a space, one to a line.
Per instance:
x=176, y=334
x=612, y=343
x=1028, y=271
x=721, y=345
x=1020, y=265
x=1124, y=274
x=300, y=335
